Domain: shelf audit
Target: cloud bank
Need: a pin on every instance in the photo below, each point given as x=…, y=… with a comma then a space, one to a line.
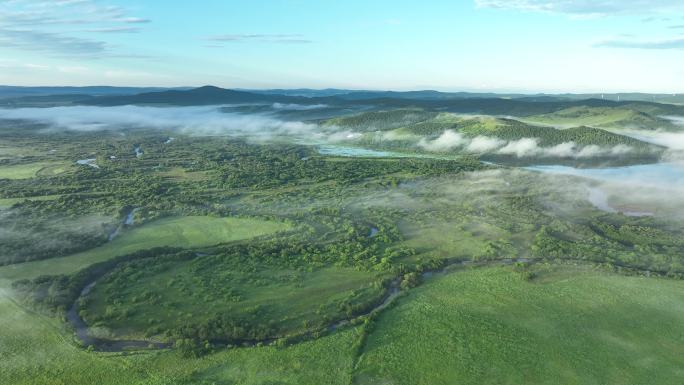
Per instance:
x=586, y=7
x=205, y=120
x=39, y=25
x=262, y=38
x=642, y=44
x=525, y=147
x=212, y=120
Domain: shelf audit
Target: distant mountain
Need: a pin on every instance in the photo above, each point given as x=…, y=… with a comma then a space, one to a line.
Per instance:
x=15, y=92
x=635, y=97
x=371, y=94
x=337, y=93
x=458, y=102
x=429, y=100
x=197, y=96
x=304, y=92
x=440, y=95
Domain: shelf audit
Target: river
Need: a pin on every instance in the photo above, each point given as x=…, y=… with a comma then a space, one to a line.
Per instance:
x=88, y=162
x=83, y=332
x=670, y=174
x=653, y=182
x=127, y=221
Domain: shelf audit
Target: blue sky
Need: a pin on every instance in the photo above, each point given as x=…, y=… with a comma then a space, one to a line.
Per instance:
x=474, y=45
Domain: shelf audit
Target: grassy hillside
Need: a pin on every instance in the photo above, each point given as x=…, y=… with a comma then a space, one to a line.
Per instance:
x=189, y=232
x=406, y=130
x=206, y=95
x=31, y=170
x=621, y=117
x=548, y=136
x=133, y=300
x=382, y=120
x=566, y=326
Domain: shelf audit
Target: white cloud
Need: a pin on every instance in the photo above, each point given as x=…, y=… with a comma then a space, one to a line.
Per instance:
x=671, y=140
x=521, y=148
x=210, y=120
x=482, y=144
x=48, y=42
x=586, y=7
x=114, y=30
x=297, y=107
x=205, y=120
x=35, y=13
x=642, y=44
x=563, y=150
x=447, y=141
x=36, y=66
x=589, y=151
x=263, y=38
x=39, y=25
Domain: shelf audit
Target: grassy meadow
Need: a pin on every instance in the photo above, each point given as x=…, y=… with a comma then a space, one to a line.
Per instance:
x=31, y=170
x=180, y=293
x=36, y=350
x=277, y=241
x=569, y=325
x=191, y=232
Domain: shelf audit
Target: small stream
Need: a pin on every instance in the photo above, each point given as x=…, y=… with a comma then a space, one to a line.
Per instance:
x=373, y=232
x=82, y=332
x=393, y=292
x=81, y=329
x=127, y=221
x=88, y=162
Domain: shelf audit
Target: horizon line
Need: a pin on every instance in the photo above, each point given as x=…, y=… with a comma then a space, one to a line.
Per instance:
x=455, y=91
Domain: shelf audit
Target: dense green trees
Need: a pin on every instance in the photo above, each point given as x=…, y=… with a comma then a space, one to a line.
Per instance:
x=386, y=218
x=382, y=120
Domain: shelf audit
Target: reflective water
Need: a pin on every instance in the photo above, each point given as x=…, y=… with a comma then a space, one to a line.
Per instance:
x=88, y=162
x=655, y=175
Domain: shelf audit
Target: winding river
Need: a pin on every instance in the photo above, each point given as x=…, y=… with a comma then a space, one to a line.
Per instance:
x=82, y=330
x=655, y=174
x=393, y=292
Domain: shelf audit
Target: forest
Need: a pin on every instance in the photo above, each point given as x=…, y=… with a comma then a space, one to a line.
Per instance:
x=192, y=246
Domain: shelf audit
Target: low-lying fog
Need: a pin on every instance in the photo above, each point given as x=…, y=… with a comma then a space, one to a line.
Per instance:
x=637, y=188
x=265, y=125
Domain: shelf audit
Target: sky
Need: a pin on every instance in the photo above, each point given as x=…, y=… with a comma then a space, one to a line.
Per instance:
x=449, y=45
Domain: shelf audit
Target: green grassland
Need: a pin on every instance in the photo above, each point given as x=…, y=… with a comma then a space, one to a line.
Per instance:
x=568, y=325
x=12, y=150
x=175, y=294
x=31, y=170
x=9, y=202
x=397, y=132
x=273, y=240
x=190, y=232
x=180, y=174
x=37, y=350
x=618, y=117
x=382, y=120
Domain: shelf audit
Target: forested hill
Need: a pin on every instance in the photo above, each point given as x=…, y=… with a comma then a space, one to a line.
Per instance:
x=206, y=95
x=522, y=107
